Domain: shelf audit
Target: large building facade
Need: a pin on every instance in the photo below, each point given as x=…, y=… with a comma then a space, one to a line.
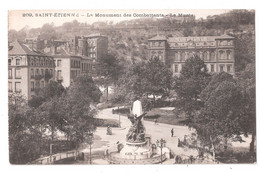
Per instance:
x=94, y=46
x=216, y=51
x=77, y=56
x=68, y=65
x=28, y=70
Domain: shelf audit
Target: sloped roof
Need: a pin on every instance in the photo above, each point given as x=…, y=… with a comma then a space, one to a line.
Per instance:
x=17, y=48
x=196, y=39
x=158, y=37
x=95, y=35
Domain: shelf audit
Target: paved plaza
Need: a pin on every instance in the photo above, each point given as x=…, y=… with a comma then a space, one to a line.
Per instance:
x=157, y=131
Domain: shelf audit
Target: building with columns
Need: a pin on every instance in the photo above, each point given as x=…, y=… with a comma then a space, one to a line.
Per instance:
x=216, y=51
x=29, y=70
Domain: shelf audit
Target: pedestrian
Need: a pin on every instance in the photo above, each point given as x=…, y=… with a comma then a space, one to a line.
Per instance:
x=155, y=121
x=179, y=142
x=172, y=131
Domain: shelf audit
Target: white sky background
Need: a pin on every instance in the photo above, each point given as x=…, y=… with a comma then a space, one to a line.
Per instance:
x=17, y=21
x=107, y=4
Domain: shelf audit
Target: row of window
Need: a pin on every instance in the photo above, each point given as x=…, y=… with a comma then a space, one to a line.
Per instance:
x=225, y=54
x=33, y=62
x=225, y=43
x=86, y=67
x=17, y=61
x=92, y=55
x=157, y=43
x=17, y=86
x=212, y=68
x=41, y=61
x=35, y=72
x=74, y=63
x=91, y=43
x=191, y=43
x=92, y=49
x=17, y=72
x=74, y=73
x=206, y=56
x=182, y=56
x=37, y=84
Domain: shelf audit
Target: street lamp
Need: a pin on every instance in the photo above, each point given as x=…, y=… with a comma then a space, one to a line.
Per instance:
x=51, y=151
x=90, y=142
x=119, y=120
x=160, y=144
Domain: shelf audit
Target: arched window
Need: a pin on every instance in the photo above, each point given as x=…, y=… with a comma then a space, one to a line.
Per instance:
x=205, y=56
x=228, y=54
x=176, y=56
x=212, y=55
x=190, y=55
x=221, y=54
x=182, y=57
x=160, y=55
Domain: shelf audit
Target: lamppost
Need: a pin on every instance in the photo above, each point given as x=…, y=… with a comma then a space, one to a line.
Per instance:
x=90, y=142
x=160, y=144
x=119, y=120
x=51, y=151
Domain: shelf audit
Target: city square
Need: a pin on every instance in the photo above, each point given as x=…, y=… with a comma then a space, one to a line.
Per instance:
x=177, y=89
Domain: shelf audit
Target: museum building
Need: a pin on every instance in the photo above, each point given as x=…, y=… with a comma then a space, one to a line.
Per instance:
x=216, y=51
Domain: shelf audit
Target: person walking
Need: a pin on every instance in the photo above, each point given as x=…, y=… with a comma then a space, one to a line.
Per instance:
x=155, y=121
x=172, y=131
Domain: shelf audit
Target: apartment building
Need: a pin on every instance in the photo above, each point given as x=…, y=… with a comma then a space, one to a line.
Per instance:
x=68, y=65
x=29, y=70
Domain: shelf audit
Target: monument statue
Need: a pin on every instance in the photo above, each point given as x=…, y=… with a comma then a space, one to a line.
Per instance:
x=136, y=133
x=137, y=149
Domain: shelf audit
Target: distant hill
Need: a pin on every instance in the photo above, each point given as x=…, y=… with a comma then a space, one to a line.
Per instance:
x=128, y=39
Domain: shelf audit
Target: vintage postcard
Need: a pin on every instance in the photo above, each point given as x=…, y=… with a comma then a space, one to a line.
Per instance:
x=133, y=87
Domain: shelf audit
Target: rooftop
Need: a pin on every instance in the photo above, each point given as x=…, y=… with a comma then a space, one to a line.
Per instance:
x=18, y=48
x=202, y=38
x=158, y=37
x=94, y=35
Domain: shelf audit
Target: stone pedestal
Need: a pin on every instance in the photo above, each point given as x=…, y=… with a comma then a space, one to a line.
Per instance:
x=136, y=151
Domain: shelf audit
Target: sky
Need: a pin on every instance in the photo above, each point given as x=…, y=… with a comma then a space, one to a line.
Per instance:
x=18, y=19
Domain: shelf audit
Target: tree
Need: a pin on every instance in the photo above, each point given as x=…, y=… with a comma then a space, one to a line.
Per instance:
x=108, y=70
x=53, y=89
x=79, y=108
x=244, y=51
x=142, y=80
x=48, y=32
x=219, y=118
x=51, y=116
x=188, y=86
x=157, y=78
x=246, y=79
x=24, y=132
